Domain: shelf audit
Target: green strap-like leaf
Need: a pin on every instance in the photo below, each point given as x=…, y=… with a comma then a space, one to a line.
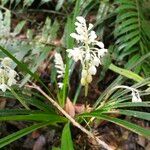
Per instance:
x=66, y=140
x=131, y=104
x=127, y=73
x=13, y=137
x=11, y=112
x=34, y=117
x=128, y=125
x=137, y=114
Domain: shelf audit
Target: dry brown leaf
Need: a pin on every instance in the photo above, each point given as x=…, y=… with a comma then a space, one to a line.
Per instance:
x=79, y=108
x=69, y=108
x=141, y=141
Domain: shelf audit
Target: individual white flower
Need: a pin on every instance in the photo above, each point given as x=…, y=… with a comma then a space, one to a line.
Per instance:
x=75, y=53
x=3, y=87
x=92, y=37
x=89, y=52
x=81, y=19
x=60, y=66
x=99, y=44
x=11, y=77
x=92, y=70
x=96, y=61
x=6, y=62
x=102, y=52
x=90, y=26
x=87, y=56
x=60, y=85
x=136, y=97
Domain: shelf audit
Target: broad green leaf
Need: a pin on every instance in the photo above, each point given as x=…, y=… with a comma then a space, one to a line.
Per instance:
x=130, y=21
x=128, y=36
x=66, y=140
x=126, y=15
x=126, y=2
x=7, y=20
x=18, y=28
x=126, y=73
x=134, y=41
x=126, y=7
x=128, y=29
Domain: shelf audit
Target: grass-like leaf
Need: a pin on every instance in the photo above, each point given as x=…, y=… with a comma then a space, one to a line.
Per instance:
x=66, y=140
x=13, y=137
x=128, y=125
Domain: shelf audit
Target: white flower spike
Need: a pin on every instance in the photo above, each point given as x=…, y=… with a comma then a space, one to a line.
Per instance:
x=89, y=52
x=60, y=66
x=7, y=74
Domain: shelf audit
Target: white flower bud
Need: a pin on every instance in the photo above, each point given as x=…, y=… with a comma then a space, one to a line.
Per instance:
x=83, y=81
x=84, y=73
x=89, y=78
x=92, y=70
x=87, y=56
x=96, y=61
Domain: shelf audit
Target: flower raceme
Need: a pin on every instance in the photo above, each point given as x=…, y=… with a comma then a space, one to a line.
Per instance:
x=89, y=52
x=134, y=92
x=7, y=74
x=60, y=66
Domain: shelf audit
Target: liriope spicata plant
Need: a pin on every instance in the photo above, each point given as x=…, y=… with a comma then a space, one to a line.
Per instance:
x=111, y=103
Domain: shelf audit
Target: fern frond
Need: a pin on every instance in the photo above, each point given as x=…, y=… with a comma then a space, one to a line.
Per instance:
x=131, y=30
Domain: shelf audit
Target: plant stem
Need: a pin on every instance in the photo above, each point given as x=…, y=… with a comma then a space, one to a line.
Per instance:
x=54, y=103
x=86, y=90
